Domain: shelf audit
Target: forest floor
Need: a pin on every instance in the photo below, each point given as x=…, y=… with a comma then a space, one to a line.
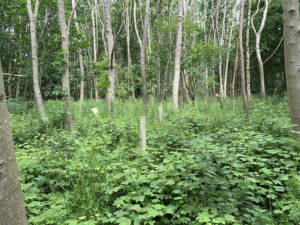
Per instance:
x=203, y=164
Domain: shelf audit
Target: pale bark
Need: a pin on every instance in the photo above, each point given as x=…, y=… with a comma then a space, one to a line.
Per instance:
x=257, y=45
x=65, y=34
x=105, y=5
x=143, y=52
x=177, y=54
x=127, y=23
x=248, y=49
x=242, y=63
x=18, y=90
x=143, y=44
x=229, y=46
x=292, y=55
x=12, y=209
x=94, y=48
x=80, y=59
x=34, y=56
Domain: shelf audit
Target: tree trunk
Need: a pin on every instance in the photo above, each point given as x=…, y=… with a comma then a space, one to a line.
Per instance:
x=292, y=55
x=64, y=29
x=257, y=46
x=12, y=210
x=143, y=53
x=95, y=49
x=248, y=49
x=80, y=60
x=229, y=46
x=34, y=56
x=143, y=44
x=110, y=43
x=177, y=54
x=242, y=63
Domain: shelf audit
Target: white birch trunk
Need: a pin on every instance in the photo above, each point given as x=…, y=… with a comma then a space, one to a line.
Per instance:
x=64, y=29
x=248, y=50
x=80, y=60
x=177, y=54
x=110, y=43
x=257, y=45
x=34, y=56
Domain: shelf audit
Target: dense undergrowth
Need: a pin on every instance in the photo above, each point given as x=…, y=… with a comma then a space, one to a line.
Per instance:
x=203, y=165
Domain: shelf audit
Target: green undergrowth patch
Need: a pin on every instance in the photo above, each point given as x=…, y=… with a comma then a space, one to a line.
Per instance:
x=203, y=165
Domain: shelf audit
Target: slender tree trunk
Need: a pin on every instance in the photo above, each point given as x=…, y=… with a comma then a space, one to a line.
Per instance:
x=12, y=210
x=80, y=60
x=177, y=54
x=143, y=52
x=291, y=34
x=242, y=63
x=257, y=46
x=127, y=23
x=65, y=33
x=229, y=46
x=248, y=49
x=110, y=44
x=143, y=44
x=34, y=56
x=18, y=90
x=95, y=49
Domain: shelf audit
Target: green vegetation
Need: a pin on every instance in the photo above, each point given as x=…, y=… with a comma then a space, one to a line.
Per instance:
x=203, y=165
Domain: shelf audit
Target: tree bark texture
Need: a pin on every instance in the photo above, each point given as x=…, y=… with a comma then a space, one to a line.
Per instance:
x=177, y=54
x=95, y=49
x=257, y=46
x=248, y=50
x=80, y=60
x=65, y=64
x=12, y=209
x=34, y=56
x=242, y=63
x=292, y=55
x=143, y=52
x=105, y=5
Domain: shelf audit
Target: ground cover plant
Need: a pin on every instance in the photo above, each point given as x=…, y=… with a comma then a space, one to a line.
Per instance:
x=203, y=165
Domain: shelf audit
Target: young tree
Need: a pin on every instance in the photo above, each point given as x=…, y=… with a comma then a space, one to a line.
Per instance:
x=105, y=5
x=242, y=63
x=248, y=49
x=178, y=54
x=257, y=46
x=34, y=56
x=143, y=46
x=65, y=34
x=292, y=55
x=12, y=209
x=80, y=60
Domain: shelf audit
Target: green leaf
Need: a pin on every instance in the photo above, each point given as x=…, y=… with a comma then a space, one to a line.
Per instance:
x=204, y=217
x=124, y=221
x=219, y=220
x=279, y=188
x=71, y=222
x=229, y=218
x=195, y=166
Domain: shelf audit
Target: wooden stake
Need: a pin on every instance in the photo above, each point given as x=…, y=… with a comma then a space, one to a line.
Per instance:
x=142, y=133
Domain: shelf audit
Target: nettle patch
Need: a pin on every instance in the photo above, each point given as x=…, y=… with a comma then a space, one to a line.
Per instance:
x=202, y=166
